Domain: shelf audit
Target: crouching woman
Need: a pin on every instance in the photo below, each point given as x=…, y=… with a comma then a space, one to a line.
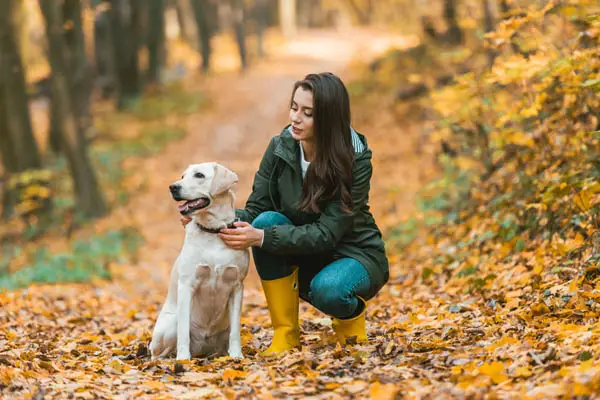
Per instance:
x=308, y=220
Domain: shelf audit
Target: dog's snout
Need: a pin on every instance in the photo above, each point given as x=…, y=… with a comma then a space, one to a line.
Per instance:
x=174, y=188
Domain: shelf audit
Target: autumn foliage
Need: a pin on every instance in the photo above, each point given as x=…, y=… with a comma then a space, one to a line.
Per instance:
x=500, y=284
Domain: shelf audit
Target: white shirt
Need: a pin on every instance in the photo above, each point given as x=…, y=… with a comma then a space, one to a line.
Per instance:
x=303, y=163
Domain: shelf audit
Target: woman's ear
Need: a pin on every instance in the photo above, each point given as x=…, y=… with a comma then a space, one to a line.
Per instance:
x=223, y=180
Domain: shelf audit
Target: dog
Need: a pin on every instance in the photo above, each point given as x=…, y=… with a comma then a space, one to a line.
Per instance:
x=202, y=312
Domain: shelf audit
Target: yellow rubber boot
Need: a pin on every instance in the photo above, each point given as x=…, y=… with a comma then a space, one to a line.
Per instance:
x=353, y=327
x=282, y=301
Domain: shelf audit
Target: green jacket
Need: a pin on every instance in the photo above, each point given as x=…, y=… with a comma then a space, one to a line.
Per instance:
x=278, y=187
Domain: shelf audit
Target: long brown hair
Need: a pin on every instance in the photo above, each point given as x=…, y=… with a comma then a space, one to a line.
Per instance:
x=329, y=175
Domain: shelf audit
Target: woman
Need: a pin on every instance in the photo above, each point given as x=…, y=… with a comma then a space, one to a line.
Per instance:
x=307, y=219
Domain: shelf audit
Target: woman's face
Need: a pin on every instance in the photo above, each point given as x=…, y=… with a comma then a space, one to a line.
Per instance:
x=301, y=115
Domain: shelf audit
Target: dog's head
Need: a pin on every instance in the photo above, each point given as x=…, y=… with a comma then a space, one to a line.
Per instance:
x=201, y=183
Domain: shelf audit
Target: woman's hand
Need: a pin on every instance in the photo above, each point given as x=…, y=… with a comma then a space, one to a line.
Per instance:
x=185, y=220
x=243, y=236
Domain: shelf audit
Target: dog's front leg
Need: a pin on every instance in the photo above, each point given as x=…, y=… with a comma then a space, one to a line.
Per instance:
x=235, y=311
x=184, y=304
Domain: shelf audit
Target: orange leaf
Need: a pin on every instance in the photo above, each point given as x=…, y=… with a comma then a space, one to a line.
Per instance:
x=381, y=391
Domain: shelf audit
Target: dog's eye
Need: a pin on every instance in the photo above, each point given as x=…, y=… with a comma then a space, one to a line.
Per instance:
x=199, y=175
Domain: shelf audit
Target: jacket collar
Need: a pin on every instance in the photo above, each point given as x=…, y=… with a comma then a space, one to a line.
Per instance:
x=288, y=149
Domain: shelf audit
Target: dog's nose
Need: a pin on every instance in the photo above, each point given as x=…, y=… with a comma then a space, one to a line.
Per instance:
x=174, y=188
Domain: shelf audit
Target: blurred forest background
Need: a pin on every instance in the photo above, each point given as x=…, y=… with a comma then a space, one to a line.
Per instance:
x=484, y=120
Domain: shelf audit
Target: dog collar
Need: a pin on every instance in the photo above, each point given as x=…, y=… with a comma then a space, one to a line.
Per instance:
x=210, y=230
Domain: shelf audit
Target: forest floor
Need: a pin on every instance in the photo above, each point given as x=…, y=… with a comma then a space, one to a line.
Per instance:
x=89, y=340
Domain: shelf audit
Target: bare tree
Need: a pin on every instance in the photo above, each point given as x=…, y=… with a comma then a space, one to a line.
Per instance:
x=237, y=6
x=89, y=198
x=126, y=27
x=187, y=24
x=287, y=18
x=489, y=24
x=156, y=39
x=104, y=53
x=18, y=147
x=261, y=15
x=363, y=16
x=18, y=121
x=203, y=13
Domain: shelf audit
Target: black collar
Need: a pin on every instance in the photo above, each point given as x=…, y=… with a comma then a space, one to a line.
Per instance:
x=209, y=230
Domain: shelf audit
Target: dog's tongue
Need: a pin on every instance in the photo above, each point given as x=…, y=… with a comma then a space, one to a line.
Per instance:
x=190, y=204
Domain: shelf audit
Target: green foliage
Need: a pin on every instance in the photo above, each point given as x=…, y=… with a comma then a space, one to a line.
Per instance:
x=171, y=100
x=445, y=193
x=404, y=233
x=87, y=259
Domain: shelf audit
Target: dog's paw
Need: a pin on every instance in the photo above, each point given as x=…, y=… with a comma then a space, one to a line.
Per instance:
x=183, y=355
x=236, y=353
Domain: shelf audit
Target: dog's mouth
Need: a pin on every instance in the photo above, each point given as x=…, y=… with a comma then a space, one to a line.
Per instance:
x=189, y=206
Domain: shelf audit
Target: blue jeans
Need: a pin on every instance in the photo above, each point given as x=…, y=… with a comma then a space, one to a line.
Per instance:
x=331, y=285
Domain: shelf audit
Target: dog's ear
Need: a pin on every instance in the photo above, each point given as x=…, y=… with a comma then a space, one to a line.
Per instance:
x=223, y=179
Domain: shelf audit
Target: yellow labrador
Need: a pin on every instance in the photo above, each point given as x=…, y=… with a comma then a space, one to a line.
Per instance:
x=202, y=312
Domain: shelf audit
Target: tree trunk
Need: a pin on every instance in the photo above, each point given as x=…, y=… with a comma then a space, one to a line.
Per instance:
x=454, y=35
x=364, y=17
x=156, y=39
x=237, y=7
x=126, y=26
x=287, y=18
x=77, y=65
x=185, y=18
x=18, y=120
x=262, y=17
x=489, y=24
x=202, y=13
x=18, y=148
x=9, y=158
x=79, y=74
x=89, y=199
x=104, y=52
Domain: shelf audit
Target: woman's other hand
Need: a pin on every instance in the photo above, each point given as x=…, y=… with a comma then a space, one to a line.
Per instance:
x=243, y=236
x=185, y=220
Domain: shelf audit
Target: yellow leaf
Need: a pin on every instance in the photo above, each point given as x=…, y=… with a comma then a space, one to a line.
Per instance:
x=465, y=163
x=89, y=348
x=232, y=374
x=36, y=190
x=495, y=371
x=155, y=385
x=583, y=200
x=383, y=392
x=537, y=206
x=47, y=365
x=522, y=372
x=530, y=111
x=573, y=287
x=540, y=309
x=580, y=389
x=520, y=139
x=26, y=206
